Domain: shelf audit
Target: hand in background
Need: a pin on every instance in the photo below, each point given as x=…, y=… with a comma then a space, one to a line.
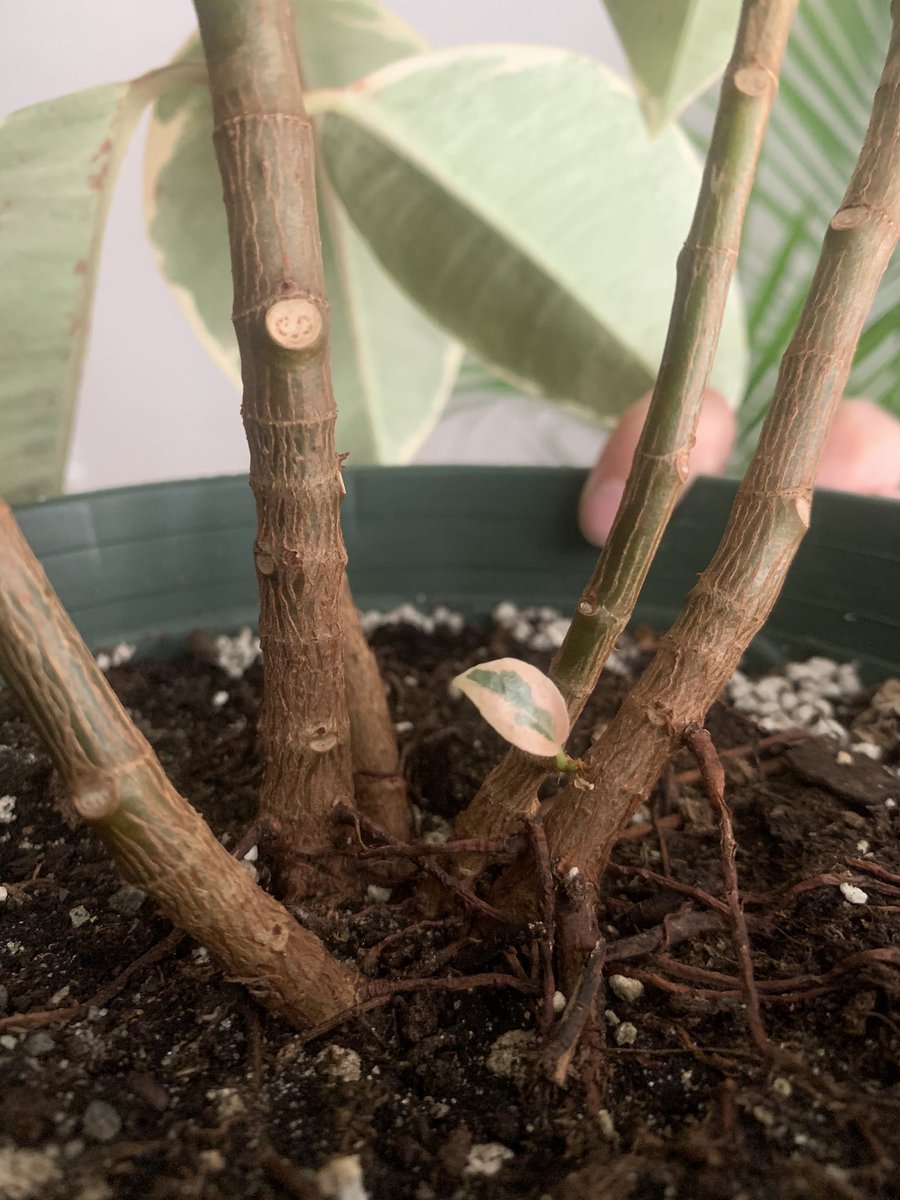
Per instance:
x=862, y=454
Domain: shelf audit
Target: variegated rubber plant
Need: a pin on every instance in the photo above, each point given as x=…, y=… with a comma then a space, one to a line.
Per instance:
x=513, y=196
x=441, y=229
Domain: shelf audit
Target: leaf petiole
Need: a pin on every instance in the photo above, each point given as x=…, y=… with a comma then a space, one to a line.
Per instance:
x=562, y=762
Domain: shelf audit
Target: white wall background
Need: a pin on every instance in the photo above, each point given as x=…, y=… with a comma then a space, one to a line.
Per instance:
x=152, y=405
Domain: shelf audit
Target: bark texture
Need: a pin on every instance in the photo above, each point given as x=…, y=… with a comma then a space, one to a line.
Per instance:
x=159, y=842
x=770, y=516
x=705, y=271
x=378, y=782
x=265, y=149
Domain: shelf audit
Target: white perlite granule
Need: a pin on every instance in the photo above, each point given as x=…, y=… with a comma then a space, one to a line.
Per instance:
x=341, y=1063
x=120, y=654
x=27, y=1173
x=626, y=988
x=235, y=654
x=512, y=1053
x=802, y=695
x=539, y=628
x=626, y=1034
x=607, y=1126
x=7, y=809
x=854, y=895
x=342, y=1178
x=487, y=1158
x=408, y=614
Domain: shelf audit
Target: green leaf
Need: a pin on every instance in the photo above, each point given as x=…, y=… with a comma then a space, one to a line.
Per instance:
x=514, y=195
x=59, y=164
x=393, y=370
x=520, y=702
x=675, y=48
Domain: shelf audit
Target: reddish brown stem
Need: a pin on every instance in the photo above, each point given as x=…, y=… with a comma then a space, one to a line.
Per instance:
x=378, y=782
x=714, y=779
x=558, y=1052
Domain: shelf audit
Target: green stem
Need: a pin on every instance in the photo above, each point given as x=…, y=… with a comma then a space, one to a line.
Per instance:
x=159, y=842
x=265, y=148
x=770, y=516
x=566, y=765
x=705, y=272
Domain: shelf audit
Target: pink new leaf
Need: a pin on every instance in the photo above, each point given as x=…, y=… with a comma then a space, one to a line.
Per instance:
x=520, y=702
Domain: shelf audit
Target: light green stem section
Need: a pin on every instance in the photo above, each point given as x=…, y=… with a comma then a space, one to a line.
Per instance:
x=705, y=272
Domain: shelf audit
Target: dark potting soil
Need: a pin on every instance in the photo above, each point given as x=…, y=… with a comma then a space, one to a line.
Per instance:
x=177, y=1085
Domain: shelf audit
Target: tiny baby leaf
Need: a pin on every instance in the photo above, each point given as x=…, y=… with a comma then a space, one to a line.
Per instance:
x=520, y=702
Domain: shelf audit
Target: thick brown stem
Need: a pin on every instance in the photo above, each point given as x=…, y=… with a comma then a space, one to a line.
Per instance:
x=265, y=149
x=770, y=516
x=159, y=842
x=705, y=271
x=377, y=780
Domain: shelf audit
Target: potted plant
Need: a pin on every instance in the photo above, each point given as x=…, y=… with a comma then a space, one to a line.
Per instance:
x=332, y=795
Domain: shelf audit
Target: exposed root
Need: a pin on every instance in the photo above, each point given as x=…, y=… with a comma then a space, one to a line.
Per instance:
x=372, y=955
x=873, y=868
x=673, y=885
x=381, y=991
x=789, y=991
x=786, y=737
x=545, y=936
x=424, y=861
x=560, y=1049
x=714, y=779
x=679, y=927
x=109, y=991
x=74, y=1012
x=793, y=990
x=451, y=983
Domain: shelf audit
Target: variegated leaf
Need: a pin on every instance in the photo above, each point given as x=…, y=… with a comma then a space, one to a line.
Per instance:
x=513, y=193
x=520, y=702
x=58, y=166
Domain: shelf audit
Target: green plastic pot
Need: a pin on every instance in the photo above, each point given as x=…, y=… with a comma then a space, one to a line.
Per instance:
x=149, y=564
